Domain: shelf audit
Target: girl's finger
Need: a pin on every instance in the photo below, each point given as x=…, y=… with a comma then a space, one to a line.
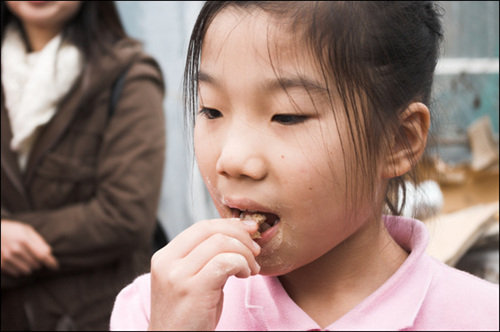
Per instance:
x=215, y=273
x=186, y=241
x=215, y=245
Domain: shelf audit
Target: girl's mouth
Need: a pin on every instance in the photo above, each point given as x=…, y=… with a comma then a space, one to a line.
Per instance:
x=264, y=219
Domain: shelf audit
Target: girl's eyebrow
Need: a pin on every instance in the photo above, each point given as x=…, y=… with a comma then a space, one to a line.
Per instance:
x=295, y=82
x=206, y=78
x=279, y=83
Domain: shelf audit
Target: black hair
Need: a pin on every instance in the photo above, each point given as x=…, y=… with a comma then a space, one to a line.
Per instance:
x=378, y=56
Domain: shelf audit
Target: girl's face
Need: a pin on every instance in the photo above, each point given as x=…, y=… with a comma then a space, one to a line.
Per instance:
x=261, y=148
x=44, y=14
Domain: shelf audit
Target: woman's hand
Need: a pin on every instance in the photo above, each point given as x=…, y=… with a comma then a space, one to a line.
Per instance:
x=23, y=249
x=188, y=275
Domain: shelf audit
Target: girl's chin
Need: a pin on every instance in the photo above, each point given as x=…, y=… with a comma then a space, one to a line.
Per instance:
x=272, y=268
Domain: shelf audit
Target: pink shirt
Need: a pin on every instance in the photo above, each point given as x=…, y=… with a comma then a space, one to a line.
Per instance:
x=423, y=294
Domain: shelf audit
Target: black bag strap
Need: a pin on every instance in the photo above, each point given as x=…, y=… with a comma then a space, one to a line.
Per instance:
x=116, y=91
x=160, y=237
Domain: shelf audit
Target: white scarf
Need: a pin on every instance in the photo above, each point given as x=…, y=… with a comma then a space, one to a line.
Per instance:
x=34, y=83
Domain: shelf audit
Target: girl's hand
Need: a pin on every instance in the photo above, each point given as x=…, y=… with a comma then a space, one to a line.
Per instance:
x=187, y=275
x=23, y=249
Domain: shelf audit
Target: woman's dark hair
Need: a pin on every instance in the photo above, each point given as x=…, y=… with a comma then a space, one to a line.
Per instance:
x=378, y=56
x=94, y=29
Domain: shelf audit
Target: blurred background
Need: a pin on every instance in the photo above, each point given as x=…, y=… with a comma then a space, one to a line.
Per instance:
x=165, y=27
x=463, y=149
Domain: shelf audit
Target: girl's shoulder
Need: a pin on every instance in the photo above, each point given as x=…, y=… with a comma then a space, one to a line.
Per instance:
x=457, y=299
x=462, y=282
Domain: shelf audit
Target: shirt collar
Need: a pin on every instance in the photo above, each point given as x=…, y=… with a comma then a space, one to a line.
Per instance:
x=393, y=306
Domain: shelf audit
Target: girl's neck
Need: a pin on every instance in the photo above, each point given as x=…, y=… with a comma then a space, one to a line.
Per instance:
x=39, y=37
x=332, y=285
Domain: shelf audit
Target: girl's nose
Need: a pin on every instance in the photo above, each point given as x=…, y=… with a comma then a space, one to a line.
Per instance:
x=242, y=156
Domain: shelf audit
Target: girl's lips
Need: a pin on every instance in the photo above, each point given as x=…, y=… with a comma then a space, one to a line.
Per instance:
x=252, y=210
x=244, y=205
x=268, y=234
x=268, y=217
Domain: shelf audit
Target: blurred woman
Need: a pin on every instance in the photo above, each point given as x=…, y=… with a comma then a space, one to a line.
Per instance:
x=79, y=185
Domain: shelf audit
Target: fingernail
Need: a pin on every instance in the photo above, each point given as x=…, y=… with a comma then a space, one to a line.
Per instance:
x=258, y=267
x=249, y=222
x=256, y=245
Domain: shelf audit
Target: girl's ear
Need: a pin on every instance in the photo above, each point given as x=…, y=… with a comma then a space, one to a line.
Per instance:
x=409, y=141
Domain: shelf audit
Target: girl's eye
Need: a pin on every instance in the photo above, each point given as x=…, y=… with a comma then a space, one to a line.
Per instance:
x=288, y=119
x=210, y=113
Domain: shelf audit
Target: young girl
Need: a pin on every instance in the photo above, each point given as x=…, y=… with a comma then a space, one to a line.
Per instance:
x=308, y=115
x=79, y=186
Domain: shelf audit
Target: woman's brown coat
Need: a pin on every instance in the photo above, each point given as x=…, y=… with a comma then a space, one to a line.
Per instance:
x=91, y=189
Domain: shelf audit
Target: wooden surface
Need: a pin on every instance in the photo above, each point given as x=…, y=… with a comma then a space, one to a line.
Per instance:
x=452, y=234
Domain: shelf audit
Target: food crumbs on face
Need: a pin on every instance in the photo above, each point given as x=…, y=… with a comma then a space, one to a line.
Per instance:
x=260, y=219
